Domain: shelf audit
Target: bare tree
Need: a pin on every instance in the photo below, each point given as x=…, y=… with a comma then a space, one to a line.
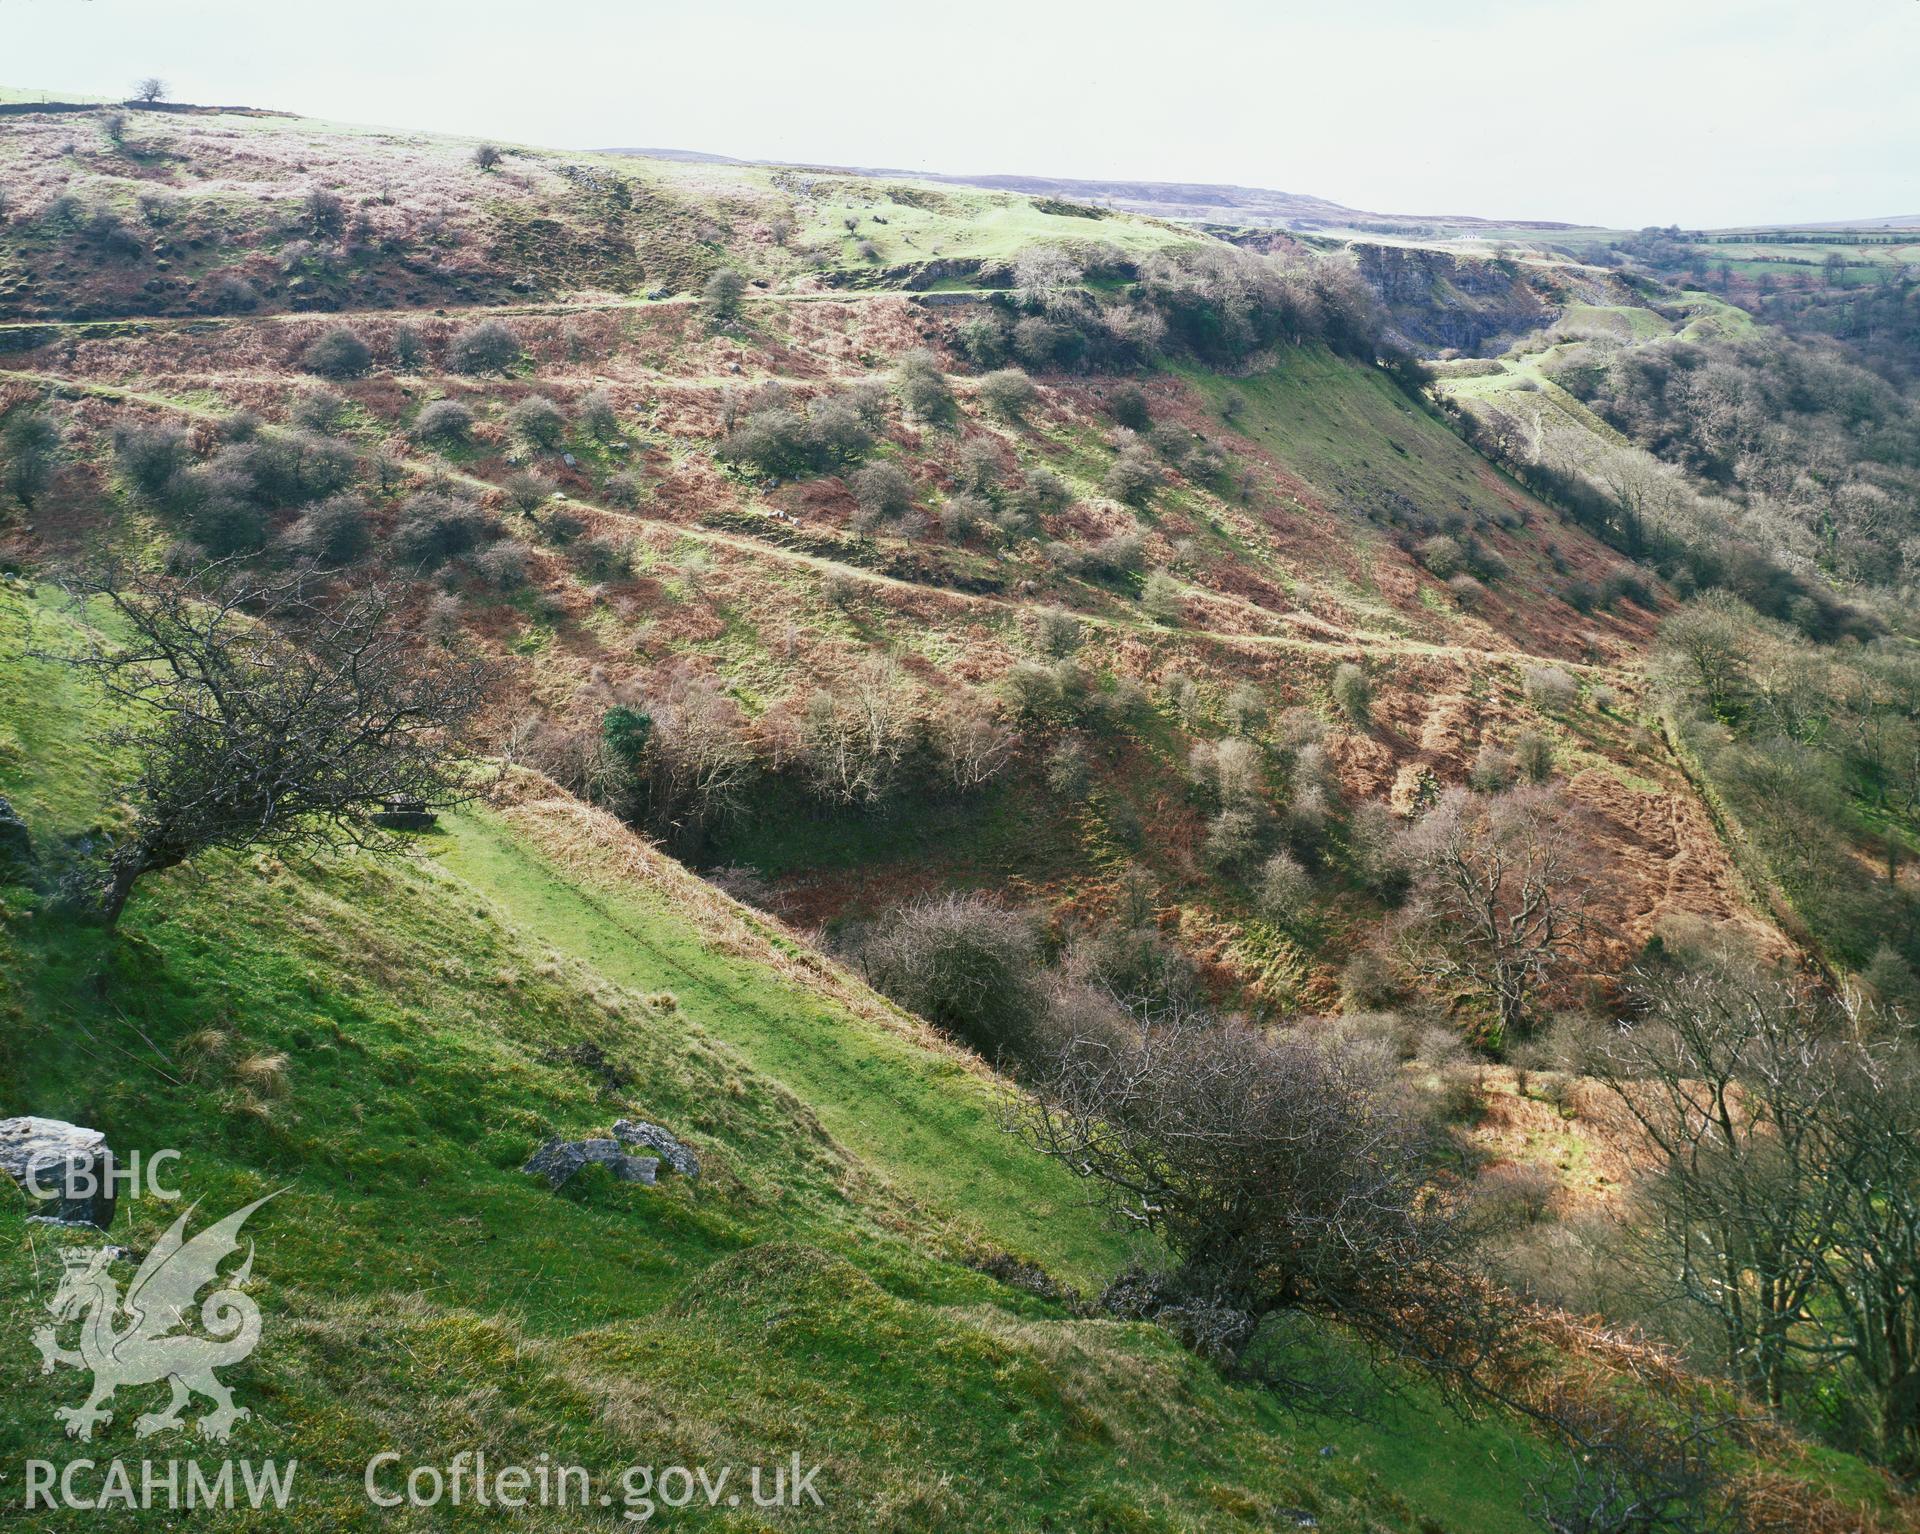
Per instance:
x=1730, y=1087
x=972, y=745
x=1870, y=1271
x=150, y=90
x=855, y=739
x=1287, y=1175
x=697, y=765
x=1645, y=492
x=599, y=415
x=269, y=711
x=1782, y=1202
x=1705, y=647
x=1500, y=900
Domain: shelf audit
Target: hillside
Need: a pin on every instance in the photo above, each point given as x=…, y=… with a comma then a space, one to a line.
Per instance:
x=842, y=544
x=390, y=1043
x=1288, y=542
x=191, y=214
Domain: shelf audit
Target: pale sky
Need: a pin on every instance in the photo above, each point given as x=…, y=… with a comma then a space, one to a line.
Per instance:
x=1622, y=112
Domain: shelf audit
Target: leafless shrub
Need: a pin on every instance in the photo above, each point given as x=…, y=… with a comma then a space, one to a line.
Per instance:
x=1161, y=598
x=1494, y=769
x=489, y=346
x=504, y=565
x=1133, y=475
x=1007, y=392
x=537, y=421
x=1535, y=755
x=884, y=490
x=1285, y=890
x=231, y=293
x=316, y=409
x=965, y=964
x=1627, y=1471
x=529, y=490
x=444, y=422
x=31, y=443
x=335, y=533
x=1283, y=1173
x=1550, y=688
x=922, y=385
x=1353, y=693
x=624, y=489
x=1510, y=1197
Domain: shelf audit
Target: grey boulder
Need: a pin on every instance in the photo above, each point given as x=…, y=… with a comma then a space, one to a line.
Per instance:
x=660, y=1141
x=63, y=1165
x=558, y=1160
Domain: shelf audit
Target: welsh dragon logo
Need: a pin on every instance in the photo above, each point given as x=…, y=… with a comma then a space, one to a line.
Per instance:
x=147, y=1335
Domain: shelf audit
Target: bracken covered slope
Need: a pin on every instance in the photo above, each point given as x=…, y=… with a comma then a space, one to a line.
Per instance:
x=392, y=1042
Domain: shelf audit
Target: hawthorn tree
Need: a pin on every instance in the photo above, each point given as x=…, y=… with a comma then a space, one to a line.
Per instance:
x=270, y=711
x=1290, y=1176
x=721, y=296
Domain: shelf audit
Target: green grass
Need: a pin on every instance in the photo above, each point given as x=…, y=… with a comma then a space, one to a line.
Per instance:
x=991, y=830
x=440, y=1017
x=930, y=1124
x=938, y=222
x=1351, y=434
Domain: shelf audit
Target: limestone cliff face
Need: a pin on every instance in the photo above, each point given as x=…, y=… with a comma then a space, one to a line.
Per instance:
x=1440, y=301
x=1444, y=301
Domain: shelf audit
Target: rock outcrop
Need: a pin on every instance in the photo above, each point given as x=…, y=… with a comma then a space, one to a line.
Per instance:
x=62, y=1167
x=559, y=1160
x=1438, y=301
x=660, y=1141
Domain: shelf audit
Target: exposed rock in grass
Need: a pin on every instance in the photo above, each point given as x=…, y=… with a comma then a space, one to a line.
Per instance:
x=676, y=1155
x=51, y=1156
x=558, y=1160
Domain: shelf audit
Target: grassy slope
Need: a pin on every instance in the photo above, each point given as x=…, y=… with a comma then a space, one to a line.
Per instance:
x=1519, y=383
x=1351, y=434
x=924, y=1115
x=421, y=1294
